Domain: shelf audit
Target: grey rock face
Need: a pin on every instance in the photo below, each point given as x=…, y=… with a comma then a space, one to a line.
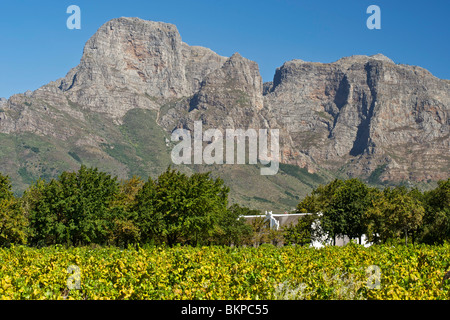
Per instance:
x=132, y=63
x=362, y=112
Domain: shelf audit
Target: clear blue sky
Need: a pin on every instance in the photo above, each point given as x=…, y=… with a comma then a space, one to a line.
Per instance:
x=36, y=47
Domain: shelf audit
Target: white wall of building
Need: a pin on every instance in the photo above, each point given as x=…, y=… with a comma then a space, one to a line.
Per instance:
x=279, y=220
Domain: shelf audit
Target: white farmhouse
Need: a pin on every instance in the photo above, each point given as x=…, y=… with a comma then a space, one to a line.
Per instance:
x=276, y=221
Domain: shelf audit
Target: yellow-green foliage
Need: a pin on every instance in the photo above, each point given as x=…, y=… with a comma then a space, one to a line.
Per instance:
x=267, y=272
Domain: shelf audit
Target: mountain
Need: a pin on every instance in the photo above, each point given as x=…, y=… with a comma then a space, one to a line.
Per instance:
x=361, y=116
x=364, y=116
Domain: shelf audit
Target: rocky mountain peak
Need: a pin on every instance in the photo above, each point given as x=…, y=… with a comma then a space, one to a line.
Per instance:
x=358, y=60
x=130, y=62
x=243, y=75
x=381, y=57
x=229, y=97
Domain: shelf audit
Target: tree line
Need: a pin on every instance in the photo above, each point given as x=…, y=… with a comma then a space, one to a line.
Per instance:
x=92, y=207
x=354, y=209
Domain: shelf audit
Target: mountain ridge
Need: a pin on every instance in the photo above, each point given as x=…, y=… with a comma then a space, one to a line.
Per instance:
x=360, y=116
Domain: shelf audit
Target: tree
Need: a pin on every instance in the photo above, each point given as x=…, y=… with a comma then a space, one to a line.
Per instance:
x=233, y=229
x=31, y=196
x=260, y=231
x=183, y=209
x=301, y=233
x=206, y=204
x=395, y=211
x=75, y=208
x=320, y=198
x=128, y=190
x=149, y=221
x=5, y=187
x=126, y=223
x=436, y=220
x=13, y=223
x=345, y=212
x=123, y=229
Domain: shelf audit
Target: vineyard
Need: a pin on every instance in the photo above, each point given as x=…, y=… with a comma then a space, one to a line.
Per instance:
x=221, y=272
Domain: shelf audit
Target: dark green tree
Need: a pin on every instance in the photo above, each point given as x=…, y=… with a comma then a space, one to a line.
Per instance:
x=345, y=213
x=172, y=205
x=436, y=220
x=75, y=208
x=320, y=198
x=232, y=228
x=301, y=233
x=149, y=221
x=182, y=209
x=206, y=204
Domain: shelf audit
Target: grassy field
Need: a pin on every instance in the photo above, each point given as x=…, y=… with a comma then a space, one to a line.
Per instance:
x=267, y=272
